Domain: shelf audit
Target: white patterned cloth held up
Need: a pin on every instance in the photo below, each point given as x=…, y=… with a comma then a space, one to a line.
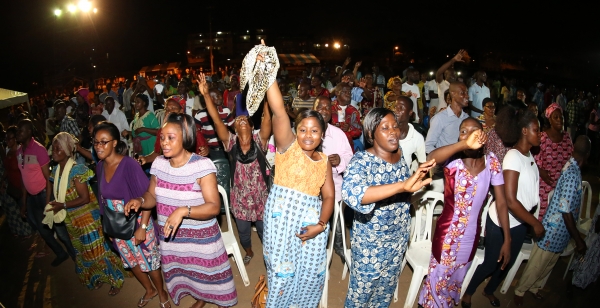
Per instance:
x=259, y=75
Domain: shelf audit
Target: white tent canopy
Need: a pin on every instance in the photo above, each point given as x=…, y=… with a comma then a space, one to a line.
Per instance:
x=11, y=97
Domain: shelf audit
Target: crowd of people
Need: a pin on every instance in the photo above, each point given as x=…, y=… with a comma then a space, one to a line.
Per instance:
x=127, y=181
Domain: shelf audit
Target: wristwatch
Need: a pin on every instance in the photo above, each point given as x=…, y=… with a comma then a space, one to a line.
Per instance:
x=145, y=227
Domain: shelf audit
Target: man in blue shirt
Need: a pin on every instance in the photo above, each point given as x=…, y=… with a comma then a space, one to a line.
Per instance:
x=559, y=223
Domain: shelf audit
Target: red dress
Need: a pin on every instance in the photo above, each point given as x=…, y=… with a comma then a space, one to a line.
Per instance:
x=352, y=117
x=552, y=157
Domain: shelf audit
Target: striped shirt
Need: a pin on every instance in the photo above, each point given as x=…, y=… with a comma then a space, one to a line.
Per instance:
x=208, y=129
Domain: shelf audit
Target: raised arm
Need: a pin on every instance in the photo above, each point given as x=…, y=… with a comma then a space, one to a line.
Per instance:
x=281, y=122
x=265, y=126
x=213, y=113
x=439, y=75
x=475, y=141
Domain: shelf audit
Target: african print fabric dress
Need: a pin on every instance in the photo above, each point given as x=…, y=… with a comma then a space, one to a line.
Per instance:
x=295, y=269
x=457, y=230
x=194, y=259
x=95, y=261
x=380, y=230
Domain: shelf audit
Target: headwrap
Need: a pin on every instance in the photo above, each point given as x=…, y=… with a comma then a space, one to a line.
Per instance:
x=84, y=93
x=258, y=75
x=177, y=98
x=551, y=109
x=390, y=83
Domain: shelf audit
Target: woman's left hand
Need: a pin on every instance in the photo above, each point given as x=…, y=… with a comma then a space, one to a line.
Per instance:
x=140, y=130
x=139, y=235
x=504, y=256
x=173, y=221
x=56, y=207
x=311, y=232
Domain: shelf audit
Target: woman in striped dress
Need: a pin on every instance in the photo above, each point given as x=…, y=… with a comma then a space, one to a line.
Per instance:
x=95, y=263
x=184, y=190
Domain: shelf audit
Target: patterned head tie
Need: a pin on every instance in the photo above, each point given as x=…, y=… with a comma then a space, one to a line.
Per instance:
x=258, y=75
x=390, y=83
x=551, y=109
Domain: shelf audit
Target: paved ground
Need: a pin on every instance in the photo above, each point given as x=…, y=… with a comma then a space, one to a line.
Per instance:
x=26, y=281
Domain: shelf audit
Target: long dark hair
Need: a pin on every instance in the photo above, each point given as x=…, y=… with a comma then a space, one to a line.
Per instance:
x=188, y=129
x=510, y=121
x=112, y=129
x=312, y=114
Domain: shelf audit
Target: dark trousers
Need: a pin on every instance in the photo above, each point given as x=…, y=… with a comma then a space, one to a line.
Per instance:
x=35, y=215
x=245, y=231
x=494, y=238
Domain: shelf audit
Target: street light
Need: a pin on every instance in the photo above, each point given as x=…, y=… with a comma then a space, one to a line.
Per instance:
x=95, y=10
x=336, y=45
x=71, y=8
x=57, y=12
x=396, y=48
x=84, y=5
x=326, y=45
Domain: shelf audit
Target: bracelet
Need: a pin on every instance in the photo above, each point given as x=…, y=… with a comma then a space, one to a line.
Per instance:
x=322, y=224
x=142, y=200
x=189, y=211
x=65, y=205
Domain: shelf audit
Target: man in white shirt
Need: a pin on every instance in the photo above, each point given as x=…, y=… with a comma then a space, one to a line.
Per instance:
x=432, y=87
x=477, y=92
x=444, y=76
x=127, y=98
x=411, y=89
x=192, y=104
x=411, y=141
x=338, y=151
x=114, y=115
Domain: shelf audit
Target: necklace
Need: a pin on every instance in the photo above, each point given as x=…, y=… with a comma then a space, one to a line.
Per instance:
x=185, y=161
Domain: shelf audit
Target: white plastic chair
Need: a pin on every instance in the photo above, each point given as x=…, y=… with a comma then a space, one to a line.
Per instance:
x=479, y=253
x=523, y=255
x=583, y=223
x=337, y=215
x=419, y=250
x=231, y=243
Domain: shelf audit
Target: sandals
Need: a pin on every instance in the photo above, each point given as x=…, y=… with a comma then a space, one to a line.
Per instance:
x=114, y=291
x=144, y=301
x=537, y=295
x=164, y=305
x=98, y=285
x=247, y=259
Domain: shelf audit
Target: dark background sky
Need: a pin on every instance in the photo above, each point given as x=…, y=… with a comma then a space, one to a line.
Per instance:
x=137, y=33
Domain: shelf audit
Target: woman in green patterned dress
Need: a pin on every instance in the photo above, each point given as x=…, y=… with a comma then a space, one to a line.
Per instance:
x=95, y=263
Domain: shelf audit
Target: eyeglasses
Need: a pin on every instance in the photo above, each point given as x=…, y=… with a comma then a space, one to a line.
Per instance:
x=103, y=142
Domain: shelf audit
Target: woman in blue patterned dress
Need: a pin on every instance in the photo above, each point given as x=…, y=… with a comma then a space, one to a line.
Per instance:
x=377, y=187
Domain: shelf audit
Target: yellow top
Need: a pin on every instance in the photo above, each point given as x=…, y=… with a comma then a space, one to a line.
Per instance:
x=293, y=169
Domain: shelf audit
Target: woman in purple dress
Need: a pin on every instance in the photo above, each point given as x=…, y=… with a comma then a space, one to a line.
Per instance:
x=120, y=179
x=183, y=188
x=468, y=174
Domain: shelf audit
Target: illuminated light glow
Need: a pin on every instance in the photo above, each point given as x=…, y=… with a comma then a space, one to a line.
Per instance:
x=71, y=8
x=219, y=32
x=396, y=47
x=459, y=73
x=188, y=51
x=336, y=45
x=95, y=10
x=84, y=5
x=326, y=45
x=57, y=12
x=431, y=73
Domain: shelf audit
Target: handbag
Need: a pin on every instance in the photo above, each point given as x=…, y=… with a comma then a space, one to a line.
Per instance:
x=116, y=224
x=259, y=300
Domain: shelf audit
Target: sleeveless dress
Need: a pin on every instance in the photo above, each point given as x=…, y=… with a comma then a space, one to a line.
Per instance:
x=295, y=270
x=457, y=230
x=194, y=260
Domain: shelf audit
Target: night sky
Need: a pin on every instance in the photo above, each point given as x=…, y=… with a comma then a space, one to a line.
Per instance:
x=136, y=33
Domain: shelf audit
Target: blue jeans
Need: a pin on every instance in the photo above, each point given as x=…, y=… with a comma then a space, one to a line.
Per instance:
x=35, y=215
x=494, y=238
